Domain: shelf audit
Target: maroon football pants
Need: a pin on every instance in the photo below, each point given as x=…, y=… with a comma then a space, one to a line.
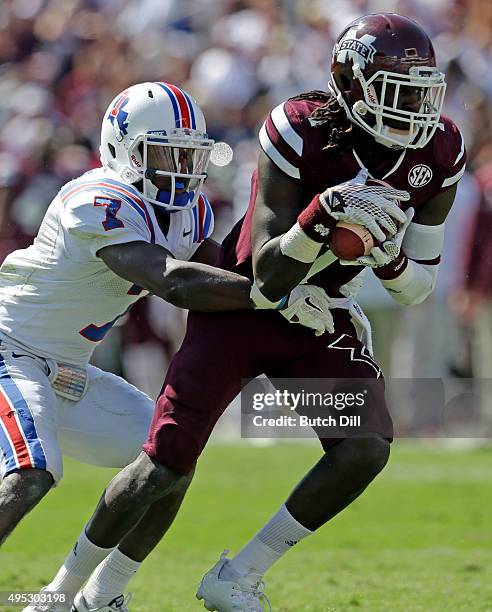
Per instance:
x=222, y=351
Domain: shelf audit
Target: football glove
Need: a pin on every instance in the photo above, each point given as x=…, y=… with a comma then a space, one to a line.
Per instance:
x=373, y=206
x=309, y=306
x=387, y=252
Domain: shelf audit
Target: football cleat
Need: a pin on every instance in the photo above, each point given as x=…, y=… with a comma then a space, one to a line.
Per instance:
x=57, y=606
x=230, y=595
x=118, y=604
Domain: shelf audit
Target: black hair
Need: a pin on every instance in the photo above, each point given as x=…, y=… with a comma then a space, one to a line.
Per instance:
x=338, y=128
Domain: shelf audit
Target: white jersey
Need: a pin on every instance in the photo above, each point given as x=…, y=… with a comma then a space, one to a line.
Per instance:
x=57, y=297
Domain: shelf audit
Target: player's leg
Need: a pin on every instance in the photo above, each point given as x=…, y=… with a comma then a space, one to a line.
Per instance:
x=345, y=470
x=107, y=427
x=19, y=492
x=111, y=577
x=140, y=542
x=349, y=463
x=141, y=501
x=31, y=460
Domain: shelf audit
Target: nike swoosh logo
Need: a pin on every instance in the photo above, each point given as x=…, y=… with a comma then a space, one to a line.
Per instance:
x=185, y=233
x=309, y=303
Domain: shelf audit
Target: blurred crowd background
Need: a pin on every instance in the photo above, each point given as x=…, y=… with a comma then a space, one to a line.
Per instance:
x=62, y=61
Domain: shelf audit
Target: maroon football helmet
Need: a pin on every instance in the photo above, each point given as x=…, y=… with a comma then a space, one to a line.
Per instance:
x=384, y=75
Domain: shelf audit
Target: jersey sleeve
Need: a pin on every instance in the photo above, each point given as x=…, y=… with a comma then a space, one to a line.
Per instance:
x=450, y=153
x=96, y=219
x=280, y=138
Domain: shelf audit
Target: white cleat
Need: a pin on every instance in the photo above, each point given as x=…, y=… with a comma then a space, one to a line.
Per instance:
x=55, y=606
x=229, y=595
x=118, y=604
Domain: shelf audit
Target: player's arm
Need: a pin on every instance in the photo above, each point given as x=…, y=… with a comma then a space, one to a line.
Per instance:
x=411, y=277
x=207, y=252
x=191, y=285
x=278, y=204
x=289, y=232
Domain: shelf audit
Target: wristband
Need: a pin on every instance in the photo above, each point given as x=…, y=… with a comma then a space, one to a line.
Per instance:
x=394, y=269
x=262, y=303
x=297, y=245
x=316, y=222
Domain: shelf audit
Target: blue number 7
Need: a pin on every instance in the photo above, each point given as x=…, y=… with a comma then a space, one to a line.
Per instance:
x=112, y=206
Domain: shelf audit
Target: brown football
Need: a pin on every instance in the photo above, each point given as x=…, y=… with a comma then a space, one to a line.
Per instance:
x=350, y=240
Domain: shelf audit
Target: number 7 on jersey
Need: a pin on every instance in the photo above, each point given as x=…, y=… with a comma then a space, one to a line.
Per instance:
x=112, y=206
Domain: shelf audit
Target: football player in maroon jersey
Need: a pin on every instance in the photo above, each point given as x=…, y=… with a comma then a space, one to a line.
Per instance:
x=381, y=117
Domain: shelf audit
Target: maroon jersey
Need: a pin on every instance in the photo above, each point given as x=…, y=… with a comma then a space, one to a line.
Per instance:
x=294, y=142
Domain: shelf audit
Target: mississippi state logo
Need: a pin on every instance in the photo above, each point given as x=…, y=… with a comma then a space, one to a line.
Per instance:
x=420, y=175
x=359, y=50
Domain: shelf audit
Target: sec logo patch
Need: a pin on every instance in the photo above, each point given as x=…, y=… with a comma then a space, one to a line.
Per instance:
x=420, y=175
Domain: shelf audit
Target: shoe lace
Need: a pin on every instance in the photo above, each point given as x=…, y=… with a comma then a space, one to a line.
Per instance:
x=255, y=599
x=262, y=596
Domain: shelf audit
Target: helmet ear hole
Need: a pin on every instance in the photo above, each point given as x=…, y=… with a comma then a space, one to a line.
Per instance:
x=112, y=150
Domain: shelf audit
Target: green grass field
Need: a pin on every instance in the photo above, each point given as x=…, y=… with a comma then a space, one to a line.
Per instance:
x=420, y=539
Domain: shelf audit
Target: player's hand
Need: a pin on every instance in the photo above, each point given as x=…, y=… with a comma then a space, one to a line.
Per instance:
x=373, y=206
x=386, y=252
x=309, y=305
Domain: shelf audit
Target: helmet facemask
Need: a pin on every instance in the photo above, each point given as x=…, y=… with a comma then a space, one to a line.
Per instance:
x=172, y=166
x=380, y=110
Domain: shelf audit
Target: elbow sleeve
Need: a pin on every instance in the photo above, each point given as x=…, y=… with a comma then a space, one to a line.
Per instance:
x=415, y=276
x=414, y=284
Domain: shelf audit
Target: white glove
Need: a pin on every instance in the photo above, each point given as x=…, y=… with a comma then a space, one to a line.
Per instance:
x=309, y=305
x=387, y=252
x=373, y=206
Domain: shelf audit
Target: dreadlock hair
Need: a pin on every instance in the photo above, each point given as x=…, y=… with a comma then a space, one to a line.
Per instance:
x=339, y=129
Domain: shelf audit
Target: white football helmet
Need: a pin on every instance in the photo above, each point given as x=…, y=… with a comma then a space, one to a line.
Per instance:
x=154, y=137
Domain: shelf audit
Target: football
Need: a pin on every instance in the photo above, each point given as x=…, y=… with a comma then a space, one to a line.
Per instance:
x=350, y=240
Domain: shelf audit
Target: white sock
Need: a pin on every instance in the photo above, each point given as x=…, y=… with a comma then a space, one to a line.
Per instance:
x=278, y=536
x=110, y=579
x=78, y=566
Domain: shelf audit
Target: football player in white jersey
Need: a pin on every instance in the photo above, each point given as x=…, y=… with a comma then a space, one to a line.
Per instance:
x=110, y=237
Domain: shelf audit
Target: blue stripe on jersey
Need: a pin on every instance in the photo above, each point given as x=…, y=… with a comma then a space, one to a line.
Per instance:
x=208, y=218
x=172, y=97
x=26, y=420
x=97, y=186
x=114, y=193
x=75, y=184
x=195, y=224
x=139, y=206
x=8, y=451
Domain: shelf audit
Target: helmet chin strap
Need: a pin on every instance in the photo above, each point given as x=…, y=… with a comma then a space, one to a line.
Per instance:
x=180, y=199
x=164, y=195
x=395, y=134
